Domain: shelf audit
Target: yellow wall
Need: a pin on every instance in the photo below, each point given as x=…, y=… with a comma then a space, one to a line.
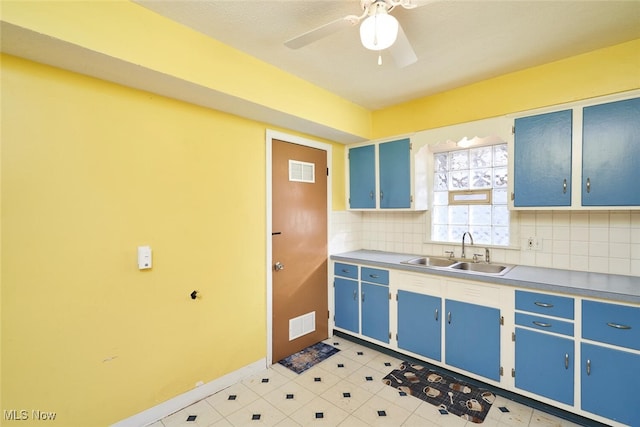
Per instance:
x=91, y=170
x=124, y=30
x=601, y=72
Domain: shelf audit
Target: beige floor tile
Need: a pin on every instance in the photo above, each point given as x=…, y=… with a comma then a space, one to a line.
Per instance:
x=367, y=378
x=384, y=363
x=379, y=412
x=288, y=422
x=542, y=419
x=319, y=412
x=232, y=399
x=399, y=398
x=347, y=396
x=417, y=421
x=317, y=380
x=266, y=381
x=290, y=397
x=340, y=365
x=360, y=354
x=517, y=415
x=257, y=413
x=204, y=415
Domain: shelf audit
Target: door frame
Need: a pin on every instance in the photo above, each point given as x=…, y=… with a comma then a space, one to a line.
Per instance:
x=292, y=139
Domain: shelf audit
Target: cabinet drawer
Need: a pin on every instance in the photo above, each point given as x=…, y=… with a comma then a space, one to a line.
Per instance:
x=544, y=324
x=549, y=305
x=345, y=270
x=611, y=323
x=375, y=275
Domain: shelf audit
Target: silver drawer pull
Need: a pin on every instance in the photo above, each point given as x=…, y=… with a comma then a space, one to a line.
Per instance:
x=374, y=276
x=618, y=326
x=344, y=270
x=449, y=318
x=362, y=296
x=544, y=325
x=355, y=295
x=588, y=367
x=566, y=361
x=436, y=314
x=543, y=304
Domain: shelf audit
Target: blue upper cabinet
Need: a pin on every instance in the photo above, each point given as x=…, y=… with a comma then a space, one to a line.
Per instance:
x=542, y=160
x=387, y=175
x=362, y=177
x=611, y=154
x=395, y=177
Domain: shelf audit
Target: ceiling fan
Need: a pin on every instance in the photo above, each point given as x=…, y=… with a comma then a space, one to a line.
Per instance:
x=379, y=30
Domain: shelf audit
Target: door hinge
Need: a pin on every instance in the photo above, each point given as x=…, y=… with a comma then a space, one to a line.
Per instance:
x=389, y=300
x=501, y=320
x=327, y=171
x=513, y=336
x=501, y=371
x=396, y=337
x=396, y=297
x=411, y=198
x=513, y=130
x=328, y=314
x=389, y=335
x=513, y=372
x=410, y=146
x=513, y=196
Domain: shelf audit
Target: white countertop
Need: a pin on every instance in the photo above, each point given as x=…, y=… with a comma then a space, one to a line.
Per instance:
x=606, y=286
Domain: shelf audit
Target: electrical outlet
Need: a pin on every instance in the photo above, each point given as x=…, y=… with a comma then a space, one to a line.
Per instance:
x=534, y=244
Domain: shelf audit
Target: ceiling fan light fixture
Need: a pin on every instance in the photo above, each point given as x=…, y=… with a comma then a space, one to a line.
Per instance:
x=379, y=30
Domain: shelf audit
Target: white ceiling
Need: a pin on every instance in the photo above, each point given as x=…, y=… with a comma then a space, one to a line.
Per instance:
x=457, y=42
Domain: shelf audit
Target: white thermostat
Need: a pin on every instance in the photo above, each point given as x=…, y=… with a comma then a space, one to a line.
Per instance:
x=144, y=257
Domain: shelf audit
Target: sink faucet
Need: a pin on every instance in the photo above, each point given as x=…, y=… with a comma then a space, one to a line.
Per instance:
x=470, y=238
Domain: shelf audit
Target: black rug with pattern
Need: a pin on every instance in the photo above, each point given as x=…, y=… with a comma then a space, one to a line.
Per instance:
x=449, y=394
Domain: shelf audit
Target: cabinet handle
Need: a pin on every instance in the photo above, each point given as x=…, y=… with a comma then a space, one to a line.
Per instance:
x=566, y=361
x=374, y=276
x=618, y=326
x=344, y=270
x=544, y=325
x=436, y=314
x=371, y=194
x=588, y=367
x=543, y=304
x=355, y=295
x=381, y=195
x=363, y=296
x=564, y=186
x=449, y=318
x=588, y=185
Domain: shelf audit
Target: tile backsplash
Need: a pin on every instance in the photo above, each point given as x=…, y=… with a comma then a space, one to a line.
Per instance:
x=596, y=241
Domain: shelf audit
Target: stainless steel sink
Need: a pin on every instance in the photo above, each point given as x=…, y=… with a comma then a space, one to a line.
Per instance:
x=427, y=261
x=481, y=268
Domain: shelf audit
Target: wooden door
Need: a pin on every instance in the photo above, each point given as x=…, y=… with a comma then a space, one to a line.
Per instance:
x=299, y=247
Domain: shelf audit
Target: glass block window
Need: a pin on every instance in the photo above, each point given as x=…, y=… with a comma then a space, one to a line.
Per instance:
x=481, y=168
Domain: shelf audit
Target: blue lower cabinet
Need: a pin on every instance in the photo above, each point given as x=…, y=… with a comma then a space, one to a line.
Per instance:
x=346, y=296
x=545, y=365
x=609, y=383
x=420, y=324
x=375, y=311
x=472, y=338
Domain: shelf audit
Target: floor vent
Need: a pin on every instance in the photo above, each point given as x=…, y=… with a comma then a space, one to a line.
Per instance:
x=302, y=325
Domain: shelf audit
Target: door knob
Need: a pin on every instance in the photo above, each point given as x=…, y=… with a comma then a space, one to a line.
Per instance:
x=278, y=266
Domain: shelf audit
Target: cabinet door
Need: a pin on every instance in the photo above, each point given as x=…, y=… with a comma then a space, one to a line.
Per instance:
x=395, y=174
x=545, y=365
x=347, y=315
x=609, y=385
x=472, y=338
x=362, y=177
x=611, y=154
x=420, y=324
x=375, y=311
x=542, y=160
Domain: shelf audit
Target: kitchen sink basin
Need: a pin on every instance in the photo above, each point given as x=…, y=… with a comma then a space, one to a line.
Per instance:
x=427, y=261
x=481, y=268
x=442, y=263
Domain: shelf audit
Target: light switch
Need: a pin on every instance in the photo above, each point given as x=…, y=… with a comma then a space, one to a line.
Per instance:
x=144, y=257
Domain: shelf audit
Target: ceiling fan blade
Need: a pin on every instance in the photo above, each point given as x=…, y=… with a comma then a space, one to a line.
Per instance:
x=320, y=32
x=402, y=51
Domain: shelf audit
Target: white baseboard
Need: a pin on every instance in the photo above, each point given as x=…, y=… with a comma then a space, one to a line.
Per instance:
x=167, y=408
